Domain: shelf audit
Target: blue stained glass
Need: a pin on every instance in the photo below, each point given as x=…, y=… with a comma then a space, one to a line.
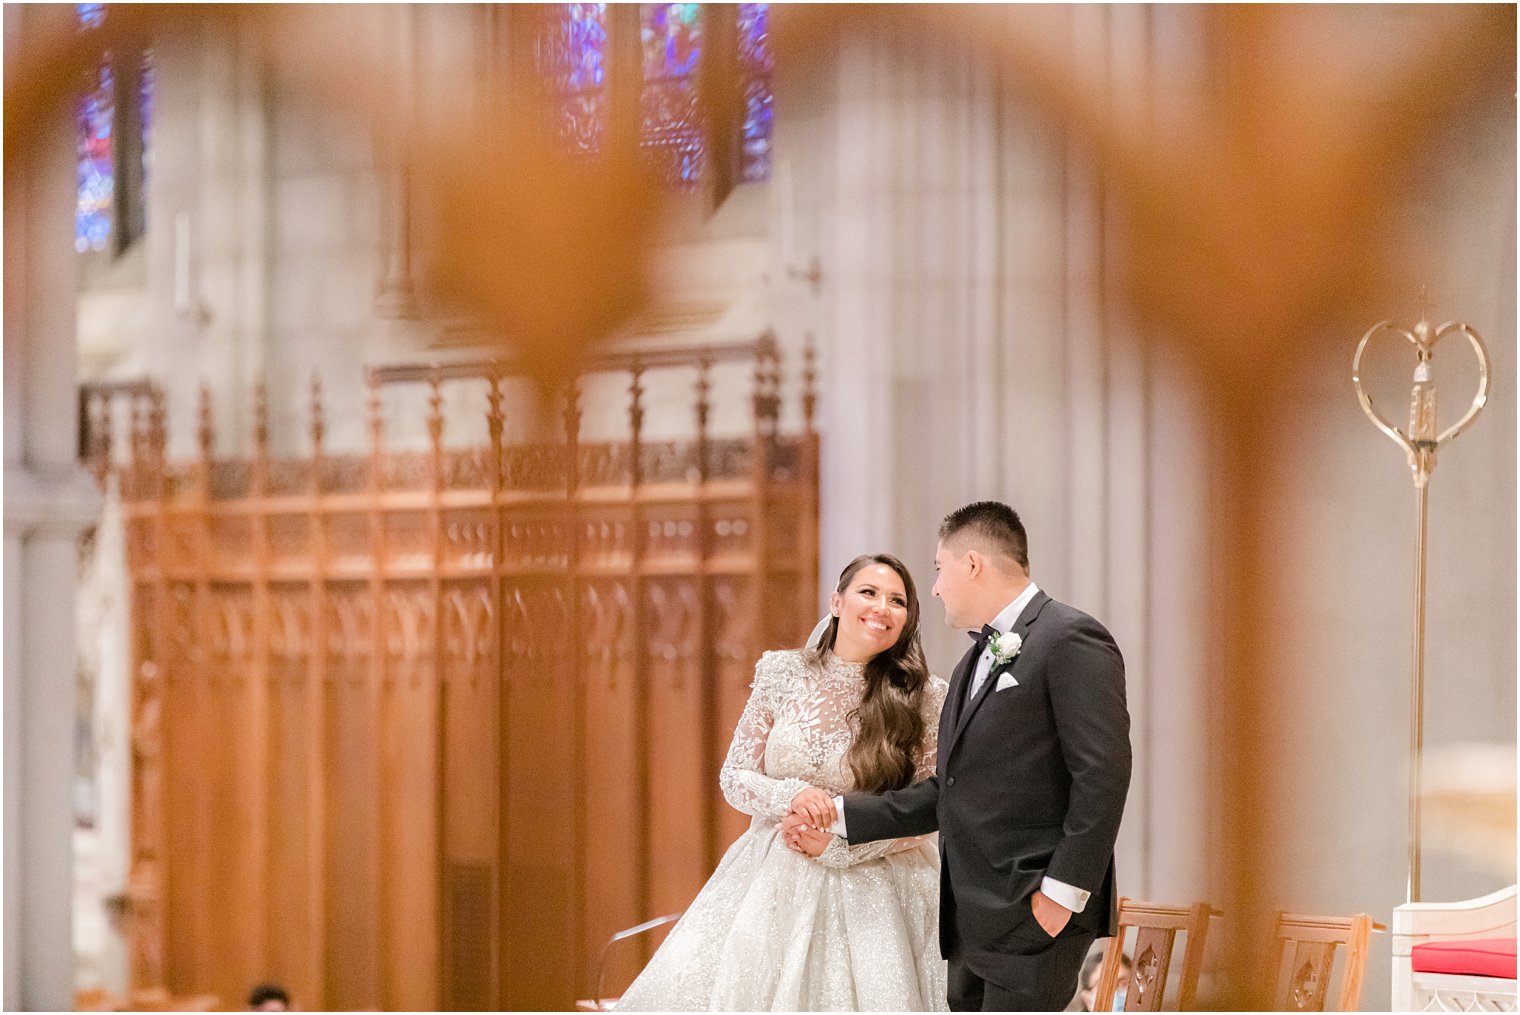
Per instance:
x=146, y=112
x=671, y=35
x=577, y=57
x=90, y=15
x=92, y=215
x=573, y=58
x=756, y=64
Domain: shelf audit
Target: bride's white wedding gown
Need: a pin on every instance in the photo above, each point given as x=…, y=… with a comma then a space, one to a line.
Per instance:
x=772, y=930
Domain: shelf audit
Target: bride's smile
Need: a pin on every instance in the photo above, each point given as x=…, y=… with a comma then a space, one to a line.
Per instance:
x=871, y=612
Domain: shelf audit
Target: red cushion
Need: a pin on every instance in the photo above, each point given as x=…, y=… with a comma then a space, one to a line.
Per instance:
x=1488, y=957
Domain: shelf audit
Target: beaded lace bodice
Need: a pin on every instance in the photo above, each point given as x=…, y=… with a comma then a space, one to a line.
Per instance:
x=793, y=734
x=853, y=929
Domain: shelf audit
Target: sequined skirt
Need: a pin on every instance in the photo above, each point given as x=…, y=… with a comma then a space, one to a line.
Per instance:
x=775, y=931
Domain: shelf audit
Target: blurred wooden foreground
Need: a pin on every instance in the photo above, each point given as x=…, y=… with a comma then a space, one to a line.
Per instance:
x=420, y=730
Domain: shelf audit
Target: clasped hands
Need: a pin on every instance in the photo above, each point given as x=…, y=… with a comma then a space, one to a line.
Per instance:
x=812, y=813
x=805, y=827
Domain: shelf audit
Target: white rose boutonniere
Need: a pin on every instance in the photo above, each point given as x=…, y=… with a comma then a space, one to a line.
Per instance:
x=1005, y=647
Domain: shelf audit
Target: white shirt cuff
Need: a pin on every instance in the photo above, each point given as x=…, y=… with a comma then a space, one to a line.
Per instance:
x=837, y=828
x=1059, y=892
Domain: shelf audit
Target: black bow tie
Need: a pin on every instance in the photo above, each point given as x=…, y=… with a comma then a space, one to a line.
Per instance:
x=981, y=637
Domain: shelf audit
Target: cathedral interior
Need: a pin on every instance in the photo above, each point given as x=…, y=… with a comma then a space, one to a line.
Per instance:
x=434, y=410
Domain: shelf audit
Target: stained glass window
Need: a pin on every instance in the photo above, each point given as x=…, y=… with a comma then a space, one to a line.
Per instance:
x=756, y=64
x=672, y=127
x=582, y=44
x=573, y=57
x=93, y=212
x=110, y=205
x=145, y=110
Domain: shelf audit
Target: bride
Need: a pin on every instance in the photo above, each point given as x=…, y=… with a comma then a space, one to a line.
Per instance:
x=843, y=927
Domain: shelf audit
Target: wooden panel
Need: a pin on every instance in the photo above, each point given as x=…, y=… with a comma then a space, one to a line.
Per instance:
x=145, y=886
x=467, y=541
x=612, y=816
x=424, y=728
x=468, y=935
x=190, y=625
x=287, y=824
x=409, y=807
x=680, y=792
x=470, y=794
x=541, y=868
x=184, y=801
x=236, y=778
x=351, y=964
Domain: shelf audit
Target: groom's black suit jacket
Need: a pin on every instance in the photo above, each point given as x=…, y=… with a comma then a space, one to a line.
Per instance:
x=1030, y=781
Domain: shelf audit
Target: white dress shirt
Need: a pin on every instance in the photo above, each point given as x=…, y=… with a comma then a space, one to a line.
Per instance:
x=1070, y=896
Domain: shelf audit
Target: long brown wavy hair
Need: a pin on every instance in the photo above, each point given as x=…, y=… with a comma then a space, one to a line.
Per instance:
x=888, y=725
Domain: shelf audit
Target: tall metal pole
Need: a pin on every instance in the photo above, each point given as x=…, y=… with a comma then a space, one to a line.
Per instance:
x=1417, y=695
x=1420, y=445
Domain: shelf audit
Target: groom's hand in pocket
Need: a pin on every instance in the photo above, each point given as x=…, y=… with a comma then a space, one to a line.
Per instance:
x=1049, y=914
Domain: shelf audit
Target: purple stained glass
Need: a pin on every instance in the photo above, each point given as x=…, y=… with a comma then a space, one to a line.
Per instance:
x=146, y=109
x=576, y=53
x=573, y=56
x=756, y=64
x=92, y=214
x=671, y=35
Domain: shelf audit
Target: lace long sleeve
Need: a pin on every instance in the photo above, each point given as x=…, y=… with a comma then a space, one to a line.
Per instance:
x=743, y=780
x=839, y=853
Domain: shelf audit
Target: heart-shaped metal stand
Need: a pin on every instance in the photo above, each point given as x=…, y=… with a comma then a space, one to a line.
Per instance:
x=1420, y=445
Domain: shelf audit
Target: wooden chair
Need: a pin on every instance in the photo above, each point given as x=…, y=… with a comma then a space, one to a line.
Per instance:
x=1301, y=974
x=599, y=1001
x=1156, y=928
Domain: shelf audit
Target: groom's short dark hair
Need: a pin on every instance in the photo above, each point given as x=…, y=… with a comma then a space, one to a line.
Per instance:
x=994, y=525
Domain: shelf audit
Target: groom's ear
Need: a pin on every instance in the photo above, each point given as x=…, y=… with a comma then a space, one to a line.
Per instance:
x=974, y=564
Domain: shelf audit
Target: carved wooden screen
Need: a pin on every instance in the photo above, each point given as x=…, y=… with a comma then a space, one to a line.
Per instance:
x=421, y=729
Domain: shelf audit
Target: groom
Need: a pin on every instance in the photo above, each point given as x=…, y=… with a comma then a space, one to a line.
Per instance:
x=1029, y=787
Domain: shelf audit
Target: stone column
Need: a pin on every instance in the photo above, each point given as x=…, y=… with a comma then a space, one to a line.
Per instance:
x=976, y=348
x=49, y=500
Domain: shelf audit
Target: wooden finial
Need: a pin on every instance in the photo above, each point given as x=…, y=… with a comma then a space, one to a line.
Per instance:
x=809, y=383
x=260, y=436
x=205, y=428
x=158, y=430
x=138, y=434
x=376, y=431
x=435, y=424
x=261, y=418
x=318, y=432
x=100, y=419
x=704, y=412
x=495, y=423
x=435, y=410
x=318, y=418
x=573, y=432
x=704, y=392
x=636, y=421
